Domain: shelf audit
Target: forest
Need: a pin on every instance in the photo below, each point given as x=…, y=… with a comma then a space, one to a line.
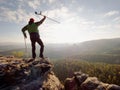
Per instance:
x=107, y=73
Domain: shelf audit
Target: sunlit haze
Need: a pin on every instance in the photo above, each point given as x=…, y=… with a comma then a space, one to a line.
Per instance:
x=80, y=20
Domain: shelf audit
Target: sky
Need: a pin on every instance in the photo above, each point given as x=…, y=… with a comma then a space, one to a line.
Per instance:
x=80, y=20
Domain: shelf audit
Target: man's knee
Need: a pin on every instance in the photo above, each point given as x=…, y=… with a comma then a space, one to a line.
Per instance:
x=33, y=45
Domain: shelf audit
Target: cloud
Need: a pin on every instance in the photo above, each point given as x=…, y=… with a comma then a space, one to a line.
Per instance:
x=111, y=13
x=33, y=3
x=6, y=14
x=103, y=27
x=15, y=16
x=51, y=1
x=20, y=12
x=63, y=14
x=117, y=19
x=68, y=18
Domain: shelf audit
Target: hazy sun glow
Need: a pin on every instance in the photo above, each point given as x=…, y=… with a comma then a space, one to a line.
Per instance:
x=63, y=33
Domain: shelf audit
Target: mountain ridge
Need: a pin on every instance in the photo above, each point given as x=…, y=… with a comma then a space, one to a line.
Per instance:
x=108, y=46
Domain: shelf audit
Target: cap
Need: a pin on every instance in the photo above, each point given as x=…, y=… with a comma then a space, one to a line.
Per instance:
x=32, y=19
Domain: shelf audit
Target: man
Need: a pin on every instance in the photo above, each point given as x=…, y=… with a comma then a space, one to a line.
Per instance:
x=32, y=29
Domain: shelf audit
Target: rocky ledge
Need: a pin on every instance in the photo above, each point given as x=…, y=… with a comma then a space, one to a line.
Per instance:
x=27, y=74
x=81, y=81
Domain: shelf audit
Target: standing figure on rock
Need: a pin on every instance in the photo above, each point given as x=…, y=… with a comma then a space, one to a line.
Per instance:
x=32, y=28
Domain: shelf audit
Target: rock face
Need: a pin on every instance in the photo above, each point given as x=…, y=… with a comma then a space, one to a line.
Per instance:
x=27, y=74
x=81, y=81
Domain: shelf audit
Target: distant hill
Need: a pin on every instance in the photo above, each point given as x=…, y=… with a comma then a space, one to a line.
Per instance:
x=8, y=48
x=100, y=46
x=101, y=50
x=104, y=50
x=103, y=46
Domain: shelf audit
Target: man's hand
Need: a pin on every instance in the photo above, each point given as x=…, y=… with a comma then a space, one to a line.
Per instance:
x=41, y=21
x=44, y=16
x=25, y=36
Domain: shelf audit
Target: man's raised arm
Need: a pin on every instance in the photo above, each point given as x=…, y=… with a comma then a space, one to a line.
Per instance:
x=41, y=21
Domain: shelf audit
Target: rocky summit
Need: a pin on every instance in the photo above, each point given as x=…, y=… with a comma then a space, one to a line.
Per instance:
x=27, y=74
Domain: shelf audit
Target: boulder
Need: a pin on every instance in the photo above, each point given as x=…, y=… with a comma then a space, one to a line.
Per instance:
x=70, y=84
x=113, y=87
x=82, y=81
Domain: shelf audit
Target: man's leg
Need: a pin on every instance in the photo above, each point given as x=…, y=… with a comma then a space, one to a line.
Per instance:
x=42, y=47
x=33, y=48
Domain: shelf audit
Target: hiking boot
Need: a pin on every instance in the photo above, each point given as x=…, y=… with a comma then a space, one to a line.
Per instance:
x=30, y=60
x=41, y=56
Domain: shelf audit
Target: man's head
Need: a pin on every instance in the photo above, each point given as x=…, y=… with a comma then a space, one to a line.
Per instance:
x=31, y=20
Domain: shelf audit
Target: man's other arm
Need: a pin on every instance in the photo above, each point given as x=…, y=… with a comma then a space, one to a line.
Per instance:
x=23, y=30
